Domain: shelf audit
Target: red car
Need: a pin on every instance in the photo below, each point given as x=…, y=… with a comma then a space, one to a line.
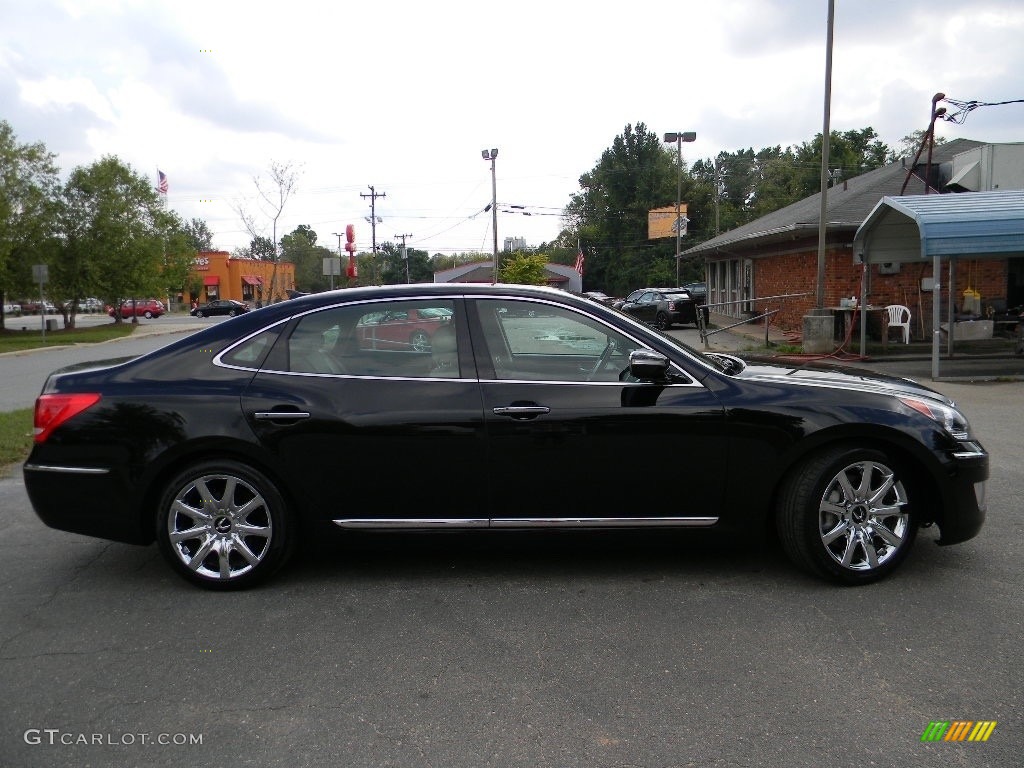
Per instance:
x=141, y=308
x=410, y=330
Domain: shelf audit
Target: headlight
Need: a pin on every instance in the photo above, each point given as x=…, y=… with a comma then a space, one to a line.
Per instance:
x=950, y=419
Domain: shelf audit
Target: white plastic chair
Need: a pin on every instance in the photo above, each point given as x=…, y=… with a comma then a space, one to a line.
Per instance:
x=899, y=317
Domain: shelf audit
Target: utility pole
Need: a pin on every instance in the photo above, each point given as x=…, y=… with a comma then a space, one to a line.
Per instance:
x=492, y=155
x=405, y=254
x=373, y=223
x=718, y=194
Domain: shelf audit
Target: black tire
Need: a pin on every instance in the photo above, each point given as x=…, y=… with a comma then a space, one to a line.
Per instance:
x=231, y=313
x=200, y=313
x=148, y=315
x=833, y=523
x=243, y=532
x=662, y=322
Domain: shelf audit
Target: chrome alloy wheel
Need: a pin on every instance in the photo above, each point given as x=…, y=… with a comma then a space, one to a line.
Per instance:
x=861, y=519
x=219, y=526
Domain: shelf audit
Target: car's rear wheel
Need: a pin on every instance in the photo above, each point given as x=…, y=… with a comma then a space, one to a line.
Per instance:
x=224, y=525
x=420, y=341
x=661, y=321
x=231, y=313
x=847, y=515
x=148, y=315
x=200, y=313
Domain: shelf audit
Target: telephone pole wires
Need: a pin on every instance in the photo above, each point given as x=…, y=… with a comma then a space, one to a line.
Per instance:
x=373, y=223
x=405, y=254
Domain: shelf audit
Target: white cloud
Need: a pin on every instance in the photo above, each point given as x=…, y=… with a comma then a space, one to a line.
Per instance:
x=403, y=95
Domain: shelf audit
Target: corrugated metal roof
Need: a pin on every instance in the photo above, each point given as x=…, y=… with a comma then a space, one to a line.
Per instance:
x=968, y=224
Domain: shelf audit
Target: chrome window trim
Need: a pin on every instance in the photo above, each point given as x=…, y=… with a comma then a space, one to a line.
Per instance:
x=67, y=470
x=525, y=522
x=218, y=358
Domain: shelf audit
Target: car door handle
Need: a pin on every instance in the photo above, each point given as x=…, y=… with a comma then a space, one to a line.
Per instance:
x=521, y=411
x=280, y=415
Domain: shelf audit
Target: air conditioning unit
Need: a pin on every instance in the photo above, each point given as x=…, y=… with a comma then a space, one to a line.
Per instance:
x=889, y=268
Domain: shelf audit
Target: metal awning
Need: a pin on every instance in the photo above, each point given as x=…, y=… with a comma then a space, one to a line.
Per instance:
x=915, y=228
x=252, y=280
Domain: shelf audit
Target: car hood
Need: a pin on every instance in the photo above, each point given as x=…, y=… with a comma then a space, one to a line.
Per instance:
x=837, y=377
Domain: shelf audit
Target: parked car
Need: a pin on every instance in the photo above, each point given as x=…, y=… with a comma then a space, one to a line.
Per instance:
x=12, y=309
x=401, y=329
x=699, y=291
x=663, y=307
x=33, y=307
x=217, y=307
x=227, y=445
x=87, y=305
x=147, y=308
x=599, y=296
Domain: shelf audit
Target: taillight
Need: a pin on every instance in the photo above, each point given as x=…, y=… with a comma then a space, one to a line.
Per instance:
x=54, y=410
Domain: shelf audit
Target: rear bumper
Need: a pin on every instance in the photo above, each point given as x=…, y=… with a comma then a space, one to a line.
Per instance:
x=90, y=501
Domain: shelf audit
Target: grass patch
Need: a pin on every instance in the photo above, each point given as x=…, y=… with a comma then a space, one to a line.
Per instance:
x=15, y=438
x=786, y=349
x=32, y=337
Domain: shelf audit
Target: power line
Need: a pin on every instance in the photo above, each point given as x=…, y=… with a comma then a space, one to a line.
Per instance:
x=964, y=108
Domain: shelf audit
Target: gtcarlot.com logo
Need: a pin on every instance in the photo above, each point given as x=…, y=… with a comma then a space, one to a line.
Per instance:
x=56, y=736
x=958, y=730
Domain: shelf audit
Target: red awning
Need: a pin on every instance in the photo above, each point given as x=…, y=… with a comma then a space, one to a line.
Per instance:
x=211, y=280
x=252, y=280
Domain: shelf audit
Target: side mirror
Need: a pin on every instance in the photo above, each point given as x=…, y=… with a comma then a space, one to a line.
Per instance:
x=647, y=365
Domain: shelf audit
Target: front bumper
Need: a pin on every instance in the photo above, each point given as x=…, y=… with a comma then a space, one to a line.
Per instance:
x=966, y=502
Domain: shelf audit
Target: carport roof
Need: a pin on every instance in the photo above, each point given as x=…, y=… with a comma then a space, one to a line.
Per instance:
x=963, y=225
x=966, y=225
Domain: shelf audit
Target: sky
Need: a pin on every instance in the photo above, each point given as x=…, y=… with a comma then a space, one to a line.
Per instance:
x=397, y=98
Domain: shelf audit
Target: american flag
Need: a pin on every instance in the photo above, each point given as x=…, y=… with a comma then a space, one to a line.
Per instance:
x=161, y=183
x=579, y=261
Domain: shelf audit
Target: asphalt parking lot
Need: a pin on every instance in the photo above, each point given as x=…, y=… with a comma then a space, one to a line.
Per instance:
x=519, y=650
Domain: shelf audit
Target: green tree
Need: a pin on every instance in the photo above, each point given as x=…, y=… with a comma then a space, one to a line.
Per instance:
x=420, y=267
x=911, y=144
x=115, y=233
x=200, y=236
x=609, y=215
x=179, y=251
x=300, y=248
x=261, y=248
x=29, y=210
x=524, y=269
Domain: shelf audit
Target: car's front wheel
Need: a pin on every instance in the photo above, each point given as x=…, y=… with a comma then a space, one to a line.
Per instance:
x=200, y=313
x=224, y=525
x=847, y=515
x=231, y=313
x=148, y=315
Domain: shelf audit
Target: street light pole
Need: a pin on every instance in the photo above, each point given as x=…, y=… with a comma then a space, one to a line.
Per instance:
x=492, y=155
x=339, y=234
x=678, y=139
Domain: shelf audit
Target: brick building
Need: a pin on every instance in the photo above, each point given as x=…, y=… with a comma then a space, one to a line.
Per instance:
x=777, y=254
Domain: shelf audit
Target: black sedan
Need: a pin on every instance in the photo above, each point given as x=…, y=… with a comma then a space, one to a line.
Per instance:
x=228, y=307
x=664, y=307
x=532, y=408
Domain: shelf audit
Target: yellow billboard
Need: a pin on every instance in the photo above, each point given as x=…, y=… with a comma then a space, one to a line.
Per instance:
x=661, y=222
